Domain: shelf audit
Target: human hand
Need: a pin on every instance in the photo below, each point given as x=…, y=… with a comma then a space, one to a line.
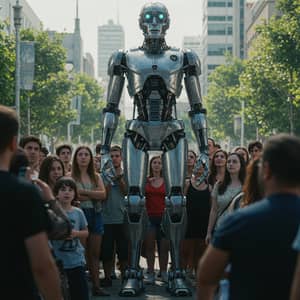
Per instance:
x=208, y=239
x=45, y=189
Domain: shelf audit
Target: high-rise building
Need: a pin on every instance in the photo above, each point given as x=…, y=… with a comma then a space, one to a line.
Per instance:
x=111, y=38
x=191, y=43
x=194, y=43
x=260, y=12
x=89, y=65
x=223, y=31
x=74, y=45
x=29, y=17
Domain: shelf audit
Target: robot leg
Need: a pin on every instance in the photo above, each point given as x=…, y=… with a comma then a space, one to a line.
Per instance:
x=135, y=168
x=175, y=219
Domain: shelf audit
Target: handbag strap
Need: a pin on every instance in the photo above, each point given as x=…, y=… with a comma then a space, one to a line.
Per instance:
x=228, y=204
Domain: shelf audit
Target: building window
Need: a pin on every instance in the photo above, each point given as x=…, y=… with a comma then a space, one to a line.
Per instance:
x=219, y=18
x=212, y=3
x=212, y=67
x=219, y=29
x=219, y=49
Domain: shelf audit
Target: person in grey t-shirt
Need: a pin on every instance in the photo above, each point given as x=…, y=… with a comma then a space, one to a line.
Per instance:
x=113, y=219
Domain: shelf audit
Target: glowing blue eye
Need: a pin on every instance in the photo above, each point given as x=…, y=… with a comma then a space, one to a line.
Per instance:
x=160, y=16
x=147, y=16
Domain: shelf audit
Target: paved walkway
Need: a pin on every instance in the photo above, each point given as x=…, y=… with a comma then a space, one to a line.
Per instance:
x=152, y=292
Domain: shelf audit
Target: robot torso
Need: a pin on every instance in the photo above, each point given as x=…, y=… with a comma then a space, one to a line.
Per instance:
x=154, y=80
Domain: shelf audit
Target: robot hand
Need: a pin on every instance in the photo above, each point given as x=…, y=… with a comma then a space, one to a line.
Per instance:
x=202, y=162
x=107, y=169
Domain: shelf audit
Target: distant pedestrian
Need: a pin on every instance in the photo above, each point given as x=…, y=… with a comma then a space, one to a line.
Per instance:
x=211, y=147
x=255, y=150
x=217, y=167
x=64, y=152
x=32, y=146
x=43, y=154
x=191, y=161
x=244, y=152
x=97, y=157
x=51, y=169
x=257, y=240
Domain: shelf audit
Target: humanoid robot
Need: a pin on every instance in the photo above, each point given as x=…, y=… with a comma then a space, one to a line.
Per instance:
x=154, y=73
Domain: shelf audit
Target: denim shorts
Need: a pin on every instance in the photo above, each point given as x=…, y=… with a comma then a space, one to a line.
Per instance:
x=155, y=226
x=95, y=221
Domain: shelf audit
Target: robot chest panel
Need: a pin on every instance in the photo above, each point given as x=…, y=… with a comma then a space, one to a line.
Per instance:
x=167, y=65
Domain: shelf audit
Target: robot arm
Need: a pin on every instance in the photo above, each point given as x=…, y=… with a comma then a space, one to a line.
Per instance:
x=197, y=113
x=111, y=112
x=116, y=70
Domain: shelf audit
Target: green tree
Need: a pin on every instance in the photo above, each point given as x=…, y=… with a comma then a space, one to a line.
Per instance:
x=91, y=108
x=271, y=78
x=7, y=67
x=53, y=87
x=264, y=90
x=222, y=101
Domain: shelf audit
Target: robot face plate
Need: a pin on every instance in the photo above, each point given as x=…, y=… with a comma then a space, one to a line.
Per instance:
x=154, y=20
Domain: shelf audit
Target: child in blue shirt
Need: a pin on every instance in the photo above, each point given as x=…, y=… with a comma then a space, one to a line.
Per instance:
x=70, y=251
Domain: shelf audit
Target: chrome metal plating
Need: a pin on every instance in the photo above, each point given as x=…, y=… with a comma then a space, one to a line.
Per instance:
x=155, y=73
x=141, y=65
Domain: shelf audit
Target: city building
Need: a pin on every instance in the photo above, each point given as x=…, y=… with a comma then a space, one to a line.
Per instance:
x=193, y=43
x=223, y=31
x=259, y=12
x=89, y=65
x=111, y=38
x=29, y=18
x=73, y=43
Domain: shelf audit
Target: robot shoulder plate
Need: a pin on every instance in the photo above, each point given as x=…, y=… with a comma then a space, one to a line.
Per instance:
x=192, y=61
x=117, y=63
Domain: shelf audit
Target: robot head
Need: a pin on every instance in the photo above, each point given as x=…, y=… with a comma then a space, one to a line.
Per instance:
x=154, y=20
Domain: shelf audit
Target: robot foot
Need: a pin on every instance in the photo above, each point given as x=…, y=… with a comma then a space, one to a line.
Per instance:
x=177, y=286
x=132, y=284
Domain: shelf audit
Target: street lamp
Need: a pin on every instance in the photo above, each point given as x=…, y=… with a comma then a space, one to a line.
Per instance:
x=17, y=23
x=291, y=113
x=242, y=123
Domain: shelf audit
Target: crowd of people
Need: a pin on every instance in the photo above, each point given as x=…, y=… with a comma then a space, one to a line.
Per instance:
x=242, y=220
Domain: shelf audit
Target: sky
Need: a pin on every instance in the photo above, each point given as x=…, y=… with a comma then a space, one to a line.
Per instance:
x=59, y=15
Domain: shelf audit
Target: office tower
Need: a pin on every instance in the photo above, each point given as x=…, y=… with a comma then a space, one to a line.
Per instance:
x=223, y=31
x=110, y=39
x=29, y=17
x=259, y=12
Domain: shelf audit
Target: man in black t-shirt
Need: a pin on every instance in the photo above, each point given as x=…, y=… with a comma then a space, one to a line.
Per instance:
x=27, y=266
x=256, y=240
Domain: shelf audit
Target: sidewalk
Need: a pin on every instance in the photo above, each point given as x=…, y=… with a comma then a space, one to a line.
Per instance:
x=152, y=292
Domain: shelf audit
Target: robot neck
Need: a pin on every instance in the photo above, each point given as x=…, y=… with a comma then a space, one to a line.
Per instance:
x=155, y=45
